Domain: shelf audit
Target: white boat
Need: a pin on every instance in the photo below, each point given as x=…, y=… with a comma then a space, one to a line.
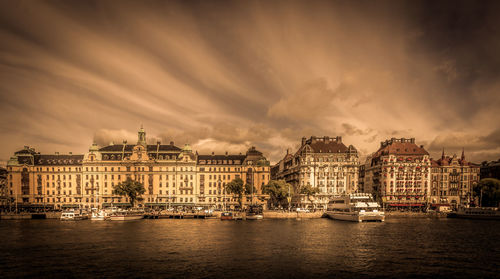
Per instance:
x=491, y=213
x=72, y=215
x=100, y=215
x=254, y=213
x=254, y=217
x=358, y=207
x=126, y=215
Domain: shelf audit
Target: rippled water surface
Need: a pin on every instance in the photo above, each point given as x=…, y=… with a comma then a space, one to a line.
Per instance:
x=246, y=249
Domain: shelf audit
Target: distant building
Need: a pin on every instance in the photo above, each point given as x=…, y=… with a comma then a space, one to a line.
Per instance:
x=490, y=169
x=171, y=176
x=453, y=180
x=398, y=173
x=322, y=162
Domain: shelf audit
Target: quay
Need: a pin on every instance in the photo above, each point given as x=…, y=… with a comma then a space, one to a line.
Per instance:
x=268, y=214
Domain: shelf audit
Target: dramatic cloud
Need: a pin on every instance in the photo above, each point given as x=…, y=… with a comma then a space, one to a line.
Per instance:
x=223, y=76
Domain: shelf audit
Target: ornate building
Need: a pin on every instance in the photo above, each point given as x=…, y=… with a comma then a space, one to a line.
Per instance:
x=453, y=180
x=172, y=176
x=399, y=173
x=322, y=162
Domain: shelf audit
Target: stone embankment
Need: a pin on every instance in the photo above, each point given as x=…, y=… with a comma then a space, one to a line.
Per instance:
x=292, y=215
x=399, y=214
x=22, y=216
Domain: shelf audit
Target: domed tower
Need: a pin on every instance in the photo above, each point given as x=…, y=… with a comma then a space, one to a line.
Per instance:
x=141, y=137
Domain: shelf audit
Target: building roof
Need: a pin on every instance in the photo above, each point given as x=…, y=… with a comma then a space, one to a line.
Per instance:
x=400, y=147
x=220, y=159
x=327, y=145
x=64, y=159
x=129, y=147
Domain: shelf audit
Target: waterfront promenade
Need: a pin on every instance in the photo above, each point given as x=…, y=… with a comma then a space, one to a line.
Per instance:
x=268, y=214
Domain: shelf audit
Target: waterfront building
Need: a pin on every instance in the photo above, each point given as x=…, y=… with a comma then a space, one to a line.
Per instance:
x=398, y=174
x=170, y=175
x=453, y=180
x=325, y=163
x=490, y=169
x=215, y=171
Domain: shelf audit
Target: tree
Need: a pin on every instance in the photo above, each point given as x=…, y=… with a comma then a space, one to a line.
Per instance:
x=236, y=187
x=130, y=188
x=309, y=191
x=278, y=191
x=488, y=192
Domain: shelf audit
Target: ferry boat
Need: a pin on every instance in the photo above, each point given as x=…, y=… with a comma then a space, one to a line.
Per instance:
x=490, y=213
x=358, y=207
x=73, y=215
x=127, y=215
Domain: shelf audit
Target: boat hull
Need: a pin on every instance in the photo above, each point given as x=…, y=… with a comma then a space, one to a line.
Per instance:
x=126, y=217
x=254, y=217
x=356, y=217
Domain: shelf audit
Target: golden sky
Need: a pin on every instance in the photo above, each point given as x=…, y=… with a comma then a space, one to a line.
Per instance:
x=226, y=75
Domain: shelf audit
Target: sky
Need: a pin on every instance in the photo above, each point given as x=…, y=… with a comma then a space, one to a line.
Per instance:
x=227, y=75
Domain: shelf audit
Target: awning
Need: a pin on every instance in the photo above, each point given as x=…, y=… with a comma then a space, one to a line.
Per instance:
x=406, y=204
x=70, y=205
x=116, y=204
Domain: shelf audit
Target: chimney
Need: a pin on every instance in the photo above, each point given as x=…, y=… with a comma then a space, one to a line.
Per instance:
x=57, y=153
x=226, y=153
x=70, y=153
x=158, y=142
x=171, y=143
x=339, y=139
x=212, y=153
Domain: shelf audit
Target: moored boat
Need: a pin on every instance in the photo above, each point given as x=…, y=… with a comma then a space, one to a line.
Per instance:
x=357, y=207
x=127, y=215
x=487, y=213
x=226, y=216
x=73, y=215
x=254, y=213
x=100, y=215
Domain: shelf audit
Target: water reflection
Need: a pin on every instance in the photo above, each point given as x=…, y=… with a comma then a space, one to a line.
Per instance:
x=267, y=248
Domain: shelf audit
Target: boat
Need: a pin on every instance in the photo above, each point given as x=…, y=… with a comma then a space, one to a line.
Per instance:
x=357, y=207
x=100, y=215
x=127, y=215
x=254, y=213
x=226, y=216
x=72, y=215
x=487, y=213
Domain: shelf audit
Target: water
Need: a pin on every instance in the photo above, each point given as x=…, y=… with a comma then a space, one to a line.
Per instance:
x=250, y=249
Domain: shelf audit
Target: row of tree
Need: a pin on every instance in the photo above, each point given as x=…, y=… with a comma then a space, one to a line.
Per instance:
x=280, y=192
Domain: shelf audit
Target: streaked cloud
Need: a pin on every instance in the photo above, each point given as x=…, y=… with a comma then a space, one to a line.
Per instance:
x=224, y=76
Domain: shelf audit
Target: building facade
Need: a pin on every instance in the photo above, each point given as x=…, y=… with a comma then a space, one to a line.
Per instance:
x=398, y=174
x=172, y=176
x=453, y=180
x=325, y=163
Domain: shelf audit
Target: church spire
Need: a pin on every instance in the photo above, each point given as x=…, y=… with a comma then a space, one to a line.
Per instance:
x=463, y=154
x=442, y=155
